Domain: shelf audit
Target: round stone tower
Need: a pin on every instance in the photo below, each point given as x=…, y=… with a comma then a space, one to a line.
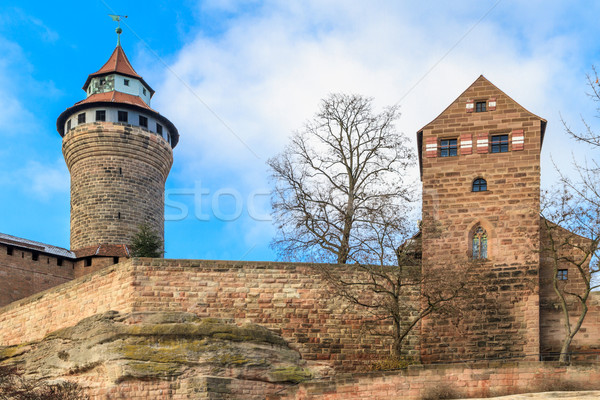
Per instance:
x=119, y=153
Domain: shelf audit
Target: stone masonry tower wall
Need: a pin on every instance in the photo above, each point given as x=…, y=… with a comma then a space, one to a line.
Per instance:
x=484, y=134
x=119, y=152
x=118, y=175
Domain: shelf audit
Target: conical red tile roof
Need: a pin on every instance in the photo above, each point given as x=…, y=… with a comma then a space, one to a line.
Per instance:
x=117, y=63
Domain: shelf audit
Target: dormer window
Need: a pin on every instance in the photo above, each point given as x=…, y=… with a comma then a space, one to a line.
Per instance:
x=126, y=82
x=480, y=106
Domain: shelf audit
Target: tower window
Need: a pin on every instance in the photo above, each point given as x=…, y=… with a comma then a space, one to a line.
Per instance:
x=448, y=148
x=9, y=251
x=562, y=274
x=143, y=121
x=102, y=81
x=144, y=91
x=479, y=185
x=159, y=128
x=122, y=117
x=480, y=106
x=500, y=144
x=479, y=244
x=100, y=115
x=68, y=125
x=126, y=82
x=81, y=118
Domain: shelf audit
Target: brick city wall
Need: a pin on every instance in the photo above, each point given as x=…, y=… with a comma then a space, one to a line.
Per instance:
x=290, y=299
x=509, y=212
x=476, y=380
x=118, y=175
x=22, y=276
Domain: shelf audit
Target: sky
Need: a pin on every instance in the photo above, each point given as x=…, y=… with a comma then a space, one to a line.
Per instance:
x=237, y=78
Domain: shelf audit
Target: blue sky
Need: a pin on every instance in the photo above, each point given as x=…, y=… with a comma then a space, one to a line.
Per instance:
x=238, y=77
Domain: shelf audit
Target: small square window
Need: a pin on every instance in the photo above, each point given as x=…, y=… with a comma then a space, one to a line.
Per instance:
x=59, y=262
x=81, y=118
x=480, y=106
x=122, y=117
x=100, y=115
x=159, y=129
x=143, y=121
x=500, y=144
x=88, y=262
x=68, y=125
x=115, y=260
x=562, y=274
x=126, y=82
x=102, y=81
x=9, y=251
x=35, y=256
x=448, y=148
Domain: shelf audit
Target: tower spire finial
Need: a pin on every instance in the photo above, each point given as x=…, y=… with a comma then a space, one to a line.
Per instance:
x=118, y=30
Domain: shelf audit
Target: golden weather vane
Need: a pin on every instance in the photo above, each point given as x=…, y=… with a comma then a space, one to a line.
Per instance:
x=118, y=30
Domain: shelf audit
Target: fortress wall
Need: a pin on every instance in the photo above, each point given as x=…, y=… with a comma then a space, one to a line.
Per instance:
x=21, y=276
x=477, y=380
x=32, y=318
x=290, y=299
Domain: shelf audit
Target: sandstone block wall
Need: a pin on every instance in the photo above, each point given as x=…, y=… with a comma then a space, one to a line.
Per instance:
x=21, y=276
x=477, y=380
x=118, y=175
x=290, y=299
x=508, y=210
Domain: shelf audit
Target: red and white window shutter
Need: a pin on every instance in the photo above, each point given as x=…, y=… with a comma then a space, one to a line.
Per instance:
x=518, y=139
x=470, y=105
x=482, y=143
x=431, y=147
x=492, y=104
x=466, y=144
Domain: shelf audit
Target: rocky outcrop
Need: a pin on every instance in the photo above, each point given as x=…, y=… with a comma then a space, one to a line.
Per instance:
x=185, y=354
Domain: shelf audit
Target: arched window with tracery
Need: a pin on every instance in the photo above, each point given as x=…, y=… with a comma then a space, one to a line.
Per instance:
x=479, y=244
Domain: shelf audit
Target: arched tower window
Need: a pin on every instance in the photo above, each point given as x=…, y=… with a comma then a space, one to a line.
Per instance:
x=479, y=185
x=479, y=244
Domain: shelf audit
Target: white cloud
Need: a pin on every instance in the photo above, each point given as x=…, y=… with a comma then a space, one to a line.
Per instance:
x=44, y=180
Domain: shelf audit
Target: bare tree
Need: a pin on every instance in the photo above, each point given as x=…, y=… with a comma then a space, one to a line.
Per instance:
x=570, y=246
x=339, y=185
x=402, y=296
x=571, y=232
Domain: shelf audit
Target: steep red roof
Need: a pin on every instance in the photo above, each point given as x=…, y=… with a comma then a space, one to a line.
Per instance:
x=103, y=250
x=117, y=63
x=115, y=97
